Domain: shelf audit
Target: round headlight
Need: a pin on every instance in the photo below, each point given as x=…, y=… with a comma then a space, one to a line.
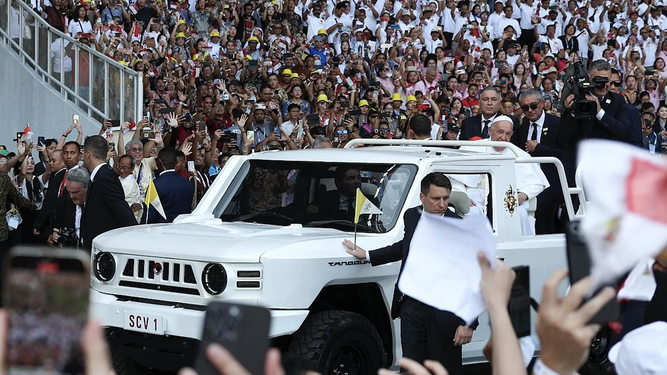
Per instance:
x=104, y=266
x=214, y=278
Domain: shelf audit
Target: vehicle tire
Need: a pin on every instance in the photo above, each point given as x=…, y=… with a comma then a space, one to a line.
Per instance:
x=338, y=342
x=123, y=365
x=598, y=363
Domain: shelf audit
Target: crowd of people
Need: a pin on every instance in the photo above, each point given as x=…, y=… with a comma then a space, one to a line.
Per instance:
x=227, y=77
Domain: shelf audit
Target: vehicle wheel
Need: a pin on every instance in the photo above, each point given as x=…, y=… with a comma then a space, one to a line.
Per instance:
x=338, y=342
x=123, y=365
x=598, y=363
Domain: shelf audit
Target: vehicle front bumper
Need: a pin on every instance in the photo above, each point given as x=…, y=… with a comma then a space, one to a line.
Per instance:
x=183, y=329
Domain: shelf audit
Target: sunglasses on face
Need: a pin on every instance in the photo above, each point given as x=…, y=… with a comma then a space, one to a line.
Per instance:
x=532, y=106
x=342, y=132
x=373, y=116
x=616, y=83
x=384, y=130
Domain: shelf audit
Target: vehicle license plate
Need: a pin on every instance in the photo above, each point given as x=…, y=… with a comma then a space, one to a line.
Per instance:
x=146, y=323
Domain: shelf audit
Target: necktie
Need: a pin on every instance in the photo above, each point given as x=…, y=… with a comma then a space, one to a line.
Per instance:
x=62, y=185
x=485, y=129
x=534, y=136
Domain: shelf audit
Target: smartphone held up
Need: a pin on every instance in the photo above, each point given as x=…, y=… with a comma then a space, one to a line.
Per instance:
x=46, y=292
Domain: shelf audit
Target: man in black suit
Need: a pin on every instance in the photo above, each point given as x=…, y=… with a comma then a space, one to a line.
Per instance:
x=339, y=203
x=175, y=192
x=43, y=224
x=489, y=106
x=538, y=134
x=426, y=332
x=105, y=207
x=69, y=209
x=614, y=118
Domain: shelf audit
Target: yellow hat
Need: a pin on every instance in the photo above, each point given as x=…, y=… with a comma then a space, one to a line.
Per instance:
x=363, y=102
x=322, y=32
x=411, y=98
x=215, y=33
x=249, y=57
x=294, y=75
x=322, y=98
x=397, y=97
x=287, y=72
x=123, y=63
x=180, y=35
x=180, y=22
x=253, y=39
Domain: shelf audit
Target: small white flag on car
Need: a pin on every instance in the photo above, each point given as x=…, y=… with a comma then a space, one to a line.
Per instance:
x=626, y=212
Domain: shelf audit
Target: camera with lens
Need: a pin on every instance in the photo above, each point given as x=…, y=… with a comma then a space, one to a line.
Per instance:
x=67, y=237
x=577, y=83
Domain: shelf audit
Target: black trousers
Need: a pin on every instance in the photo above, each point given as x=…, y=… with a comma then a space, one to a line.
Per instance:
x=428, y=333
x=547, y=208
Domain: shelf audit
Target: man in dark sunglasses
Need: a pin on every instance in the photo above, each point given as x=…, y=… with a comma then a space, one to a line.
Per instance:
x=538, y=134
x=615, y=81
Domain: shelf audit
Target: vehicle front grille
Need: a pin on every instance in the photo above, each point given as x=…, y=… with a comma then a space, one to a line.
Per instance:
x=159, y=275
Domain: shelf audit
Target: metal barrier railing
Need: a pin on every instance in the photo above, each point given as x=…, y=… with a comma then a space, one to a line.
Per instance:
x=99, y=85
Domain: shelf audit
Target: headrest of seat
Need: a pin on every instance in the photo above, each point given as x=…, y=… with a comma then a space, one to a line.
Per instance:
x=460, y=201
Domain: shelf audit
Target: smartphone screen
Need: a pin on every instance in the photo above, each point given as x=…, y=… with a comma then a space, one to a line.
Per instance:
x=191, y=166
x=250, y=135
x=46, y=291
x=519, y=306
x=40, y=140
x=75, y=118
x=202, y=126
x=579, y=263
x=242, y=330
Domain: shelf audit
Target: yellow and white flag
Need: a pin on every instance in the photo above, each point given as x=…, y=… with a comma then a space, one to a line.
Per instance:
x=363, y=206
x=152, y=198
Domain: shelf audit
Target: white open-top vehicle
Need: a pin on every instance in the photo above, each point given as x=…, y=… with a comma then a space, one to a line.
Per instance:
x=252, y=240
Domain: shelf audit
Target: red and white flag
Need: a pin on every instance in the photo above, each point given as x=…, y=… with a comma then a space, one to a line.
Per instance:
x=626, y=212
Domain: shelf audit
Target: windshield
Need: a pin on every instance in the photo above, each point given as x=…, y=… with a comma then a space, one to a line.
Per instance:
x=316, y=194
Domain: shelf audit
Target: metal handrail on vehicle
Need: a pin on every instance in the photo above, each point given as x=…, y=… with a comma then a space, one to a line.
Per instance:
x=431, y=142
x=109, y=82
x=520, y=158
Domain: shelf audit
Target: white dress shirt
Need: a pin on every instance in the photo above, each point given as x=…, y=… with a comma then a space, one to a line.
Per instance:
x=94, y=172
x=77, y=220
x=540, y=124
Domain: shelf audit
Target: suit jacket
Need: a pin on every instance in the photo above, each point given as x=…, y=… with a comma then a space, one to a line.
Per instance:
x=654, y=138
x=399, y=251
x=328, y=205
x=549, y=146
x=621, y=122
x=105, y=208
x=44, y=221
x=175, y=194
x=472, y=127
x=64, y=215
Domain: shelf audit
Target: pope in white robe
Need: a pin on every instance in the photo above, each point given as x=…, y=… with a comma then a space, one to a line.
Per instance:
x=530, y=179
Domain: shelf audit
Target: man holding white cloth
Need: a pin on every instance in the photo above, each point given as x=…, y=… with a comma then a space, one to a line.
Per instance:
x=530, y=179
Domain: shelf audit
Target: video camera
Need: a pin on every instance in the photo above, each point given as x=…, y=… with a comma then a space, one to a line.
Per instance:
x=68, y=237
x=577, y=83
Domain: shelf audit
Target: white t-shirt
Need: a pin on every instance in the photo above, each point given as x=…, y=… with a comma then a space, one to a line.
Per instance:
x=77, y=26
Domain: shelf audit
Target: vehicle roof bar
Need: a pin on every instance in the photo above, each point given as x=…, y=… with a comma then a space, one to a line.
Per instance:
x=435, y=143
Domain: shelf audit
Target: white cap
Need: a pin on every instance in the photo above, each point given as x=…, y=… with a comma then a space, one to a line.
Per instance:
x=503, y=118
x=642, y=351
